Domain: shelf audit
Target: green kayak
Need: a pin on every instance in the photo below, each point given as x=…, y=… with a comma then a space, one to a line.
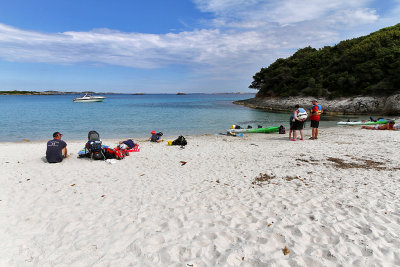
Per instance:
x=256, y=130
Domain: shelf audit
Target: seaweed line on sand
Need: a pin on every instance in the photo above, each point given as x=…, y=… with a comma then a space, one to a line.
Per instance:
x=263, y=177
x=365, y=164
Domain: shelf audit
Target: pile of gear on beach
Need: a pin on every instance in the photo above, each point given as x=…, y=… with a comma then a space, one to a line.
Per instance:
x=94, y=148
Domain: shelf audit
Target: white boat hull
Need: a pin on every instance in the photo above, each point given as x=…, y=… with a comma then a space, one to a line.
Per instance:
x=89, y=98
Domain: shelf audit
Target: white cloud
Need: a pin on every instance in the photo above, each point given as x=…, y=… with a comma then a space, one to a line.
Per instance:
x=282, y=12
x=244, y=34
x=129, y=49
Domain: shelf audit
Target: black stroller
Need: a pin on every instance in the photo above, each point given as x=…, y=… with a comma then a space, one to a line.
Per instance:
x=94, y=146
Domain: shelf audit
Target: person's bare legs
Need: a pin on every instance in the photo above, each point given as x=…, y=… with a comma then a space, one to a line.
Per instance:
x=301, y=135
x=64, y=152
x=294, y=135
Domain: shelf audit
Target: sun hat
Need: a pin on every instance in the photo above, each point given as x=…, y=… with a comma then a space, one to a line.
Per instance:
x=153, y=132
x=56, y=134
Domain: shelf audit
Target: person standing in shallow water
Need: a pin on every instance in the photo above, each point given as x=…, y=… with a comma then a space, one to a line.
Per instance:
x=56, y=149
x=316, y=111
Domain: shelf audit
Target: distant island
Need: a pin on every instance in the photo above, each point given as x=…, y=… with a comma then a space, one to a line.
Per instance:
x=366, y=68
x=16, y=92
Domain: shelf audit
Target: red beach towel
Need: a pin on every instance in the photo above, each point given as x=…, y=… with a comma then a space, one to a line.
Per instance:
x=135, y=148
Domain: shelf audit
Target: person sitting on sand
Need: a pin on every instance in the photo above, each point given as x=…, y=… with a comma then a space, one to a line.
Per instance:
x=156, y=137
x=298, y=124
x=387, y=126
x=56, y=149
x=126, y=144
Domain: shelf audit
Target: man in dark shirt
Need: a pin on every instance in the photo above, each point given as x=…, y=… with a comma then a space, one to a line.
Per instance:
x=56, y=149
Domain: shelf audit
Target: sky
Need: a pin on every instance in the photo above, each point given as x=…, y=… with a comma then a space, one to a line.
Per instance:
x=168, y=46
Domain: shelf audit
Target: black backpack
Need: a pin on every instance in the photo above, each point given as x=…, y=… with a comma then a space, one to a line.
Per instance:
x=282, y=130
x=93, y=146
x=180, y=141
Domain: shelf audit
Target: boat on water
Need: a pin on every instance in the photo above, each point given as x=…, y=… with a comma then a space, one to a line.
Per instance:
x=89, y=98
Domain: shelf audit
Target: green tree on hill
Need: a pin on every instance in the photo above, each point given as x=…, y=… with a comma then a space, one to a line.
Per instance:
x=368, y=65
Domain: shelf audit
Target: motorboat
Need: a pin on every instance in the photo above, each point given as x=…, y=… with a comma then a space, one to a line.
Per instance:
x=89, y=98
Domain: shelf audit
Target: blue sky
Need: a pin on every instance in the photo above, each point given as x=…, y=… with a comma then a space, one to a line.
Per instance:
x=168, y=46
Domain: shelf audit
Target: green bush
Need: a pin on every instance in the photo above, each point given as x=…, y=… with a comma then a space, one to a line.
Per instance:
x=368, y=65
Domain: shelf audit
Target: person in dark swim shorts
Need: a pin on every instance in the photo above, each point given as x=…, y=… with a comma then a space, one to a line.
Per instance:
x=298, y=123
x=316, y=112
x=126, y=144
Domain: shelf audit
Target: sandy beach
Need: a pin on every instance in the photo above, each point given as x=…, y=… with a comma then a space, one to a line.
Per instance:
x=257, y=200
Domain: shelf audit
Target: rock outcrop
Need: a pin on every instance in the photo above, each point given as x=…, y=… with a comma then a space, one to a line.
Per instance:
x=344, y=106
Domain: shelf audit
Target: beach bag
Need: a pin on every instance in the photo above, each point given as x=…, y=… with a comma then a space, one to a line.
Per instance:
x=282, y=130
x=118, y=154
x=180, y=141
x=115, y=153
x=108, y=153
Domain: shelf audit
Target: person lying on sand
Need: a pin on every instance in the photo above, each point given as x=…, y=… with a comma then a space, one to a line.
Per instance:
x=387, y=126
x=126, y=144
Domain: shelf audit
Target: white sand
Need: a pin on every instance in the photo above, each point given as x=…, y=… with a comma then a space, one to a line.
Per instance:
x=149, y=210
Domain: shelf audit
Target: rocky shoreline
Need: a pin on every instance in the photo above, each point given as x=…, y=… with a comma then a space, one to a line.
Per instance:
x=345, y=106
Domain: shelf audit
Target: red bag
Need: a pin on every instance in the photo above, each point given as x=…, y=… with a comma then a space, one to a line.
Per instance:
x=108, y=153
x=118, y=154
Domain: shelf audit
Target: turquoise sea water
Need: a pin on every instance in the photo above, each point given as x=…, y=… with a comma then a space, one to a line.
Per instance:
x=122, y=116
